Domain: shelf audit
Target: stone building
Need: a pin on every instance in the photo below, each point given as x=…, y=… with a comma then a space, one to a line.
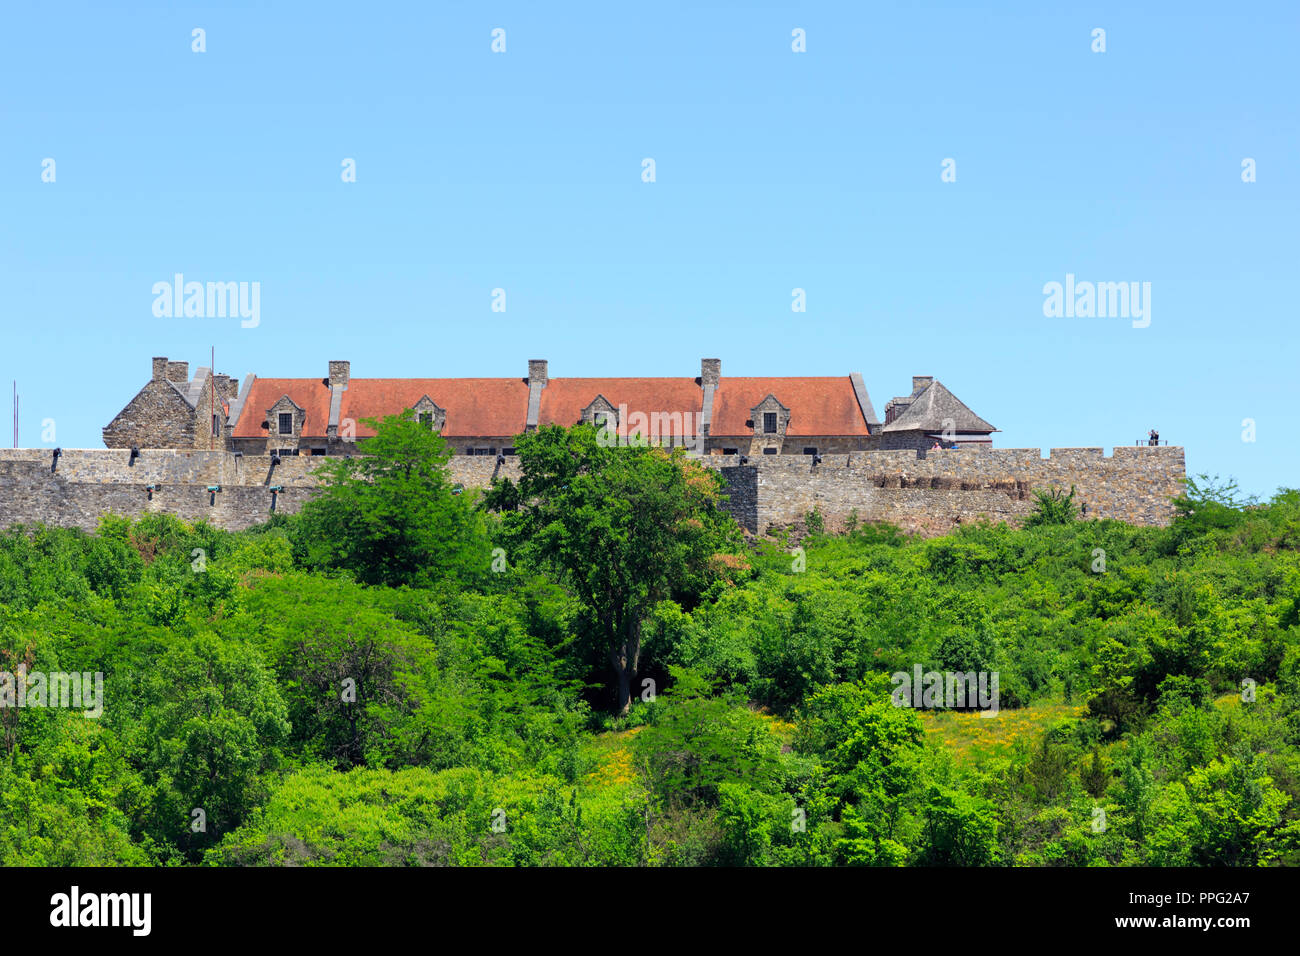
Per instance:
x=743, y=416
x=204, y=448
x=932, y=414
x=175, y=411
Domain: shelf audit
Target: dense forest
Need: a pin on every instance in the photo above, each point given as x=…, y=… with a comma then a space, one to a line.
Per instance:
x=592, y=665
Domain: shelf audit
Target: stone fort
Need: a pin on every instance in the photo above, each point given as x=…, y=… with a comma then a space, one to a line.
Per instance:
x=208, y=447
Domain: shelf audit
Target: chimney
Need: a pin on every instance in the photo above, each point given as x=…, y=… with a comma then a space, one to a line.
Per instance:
x=159, y=368
x=339, y=373
x=178, y=371
x=920, y=383
x=227, y=387
x=710, y=371
x=537, y=371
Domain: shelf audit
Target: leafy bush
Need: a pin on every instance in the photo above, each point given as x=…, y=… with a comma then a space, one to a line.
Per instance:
x=1054, y=506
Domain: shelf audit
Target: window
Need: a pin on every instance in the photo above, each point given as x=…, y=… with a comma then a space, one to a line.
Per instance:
x=507, y=451
x=214, y=424
x=810, y=451
x=480, y=451
x=318, y=451
x=426, y=419
x=286, y=452
x=769, y=423
x=730, y=451
x=769, y=451
x=286, y=423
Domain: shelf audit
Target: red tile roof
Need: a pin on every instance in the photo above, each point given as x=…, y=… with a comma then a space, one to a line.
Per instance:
x=824, y=405
x=475, y=407
x=498, y=407
x=563, y=399
x=309, y=393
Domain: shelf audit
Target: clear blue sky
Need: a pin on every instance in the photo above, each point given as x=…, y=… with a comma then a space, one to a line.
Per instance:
x=775, y=170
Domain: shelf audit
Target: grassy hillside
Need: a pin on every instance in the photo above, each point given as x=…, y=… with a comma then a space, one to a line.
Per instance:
x=267, y=700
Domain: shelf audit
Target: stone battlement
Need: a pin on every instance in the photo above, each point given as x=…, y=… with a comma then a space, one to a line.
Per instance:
x=932, y=491
x=927, y=491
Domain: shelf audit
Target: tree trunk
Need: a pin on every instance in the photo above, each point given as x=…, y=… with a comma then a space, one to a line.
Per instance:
x=625, y=659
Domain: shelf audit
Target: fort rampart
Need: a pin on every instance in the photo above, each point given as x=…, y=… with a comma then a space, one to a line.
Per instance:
x=928, y=492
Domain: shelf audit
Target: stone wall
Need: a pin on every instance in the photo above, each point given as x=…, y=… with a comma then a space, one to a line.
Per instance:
x=87, y=483
x=932, y=491
x=929, y=493
x=156, y=412
x=787, y=445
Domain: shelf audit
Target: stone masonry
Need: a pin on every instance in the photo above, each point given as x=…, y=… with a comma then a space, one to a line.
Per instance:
x=927, y=492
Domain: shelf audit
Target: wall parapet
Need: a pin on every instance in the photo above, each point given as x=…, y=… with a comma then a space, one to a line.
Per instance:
x=928, y=493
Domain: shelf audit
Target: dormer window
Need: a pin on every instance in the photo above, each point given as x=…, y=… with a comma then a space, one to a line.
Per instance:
x=285, y=420
x=769, y=419
x=429, y=414
x=601, y=413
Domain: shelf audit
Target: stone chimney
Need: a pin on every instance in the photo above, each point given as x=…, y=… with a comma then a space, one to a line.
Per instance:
x=178, y=371
x=340, y=372
x=920, y=383
x=536, y=382
x=159, y=368
x=710, y=371
x=227, y=387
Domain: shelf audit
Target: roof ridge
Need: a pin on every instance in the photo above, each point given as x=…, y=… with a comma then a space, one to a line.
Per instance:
x=921, y=413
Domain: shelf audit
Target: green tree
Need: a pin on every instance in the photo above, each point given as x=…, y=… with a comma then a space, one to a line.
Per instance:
x=212, y=723
x=1054, y=506
x=697, y=743
x=627, y=527
x=392, y=515
x=1207, y=504
x=872, y=752
x=1228, y=813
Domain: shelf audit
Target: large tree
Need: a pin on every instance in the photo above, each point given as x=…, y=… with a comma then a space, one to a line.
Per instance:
x=627, y=527
x=392, y=515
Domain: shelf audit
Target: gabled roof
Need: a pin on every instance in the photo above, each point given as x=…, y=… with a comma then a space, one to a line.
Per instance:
x=286, y=397
x=191, y=391
x=498, y=407
x=820, y=405
x=563, y=399
x=936, y=409
x=307, y=393
x=195, y=387
x=181, y=389
x=769, y=397
x=475, y=406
